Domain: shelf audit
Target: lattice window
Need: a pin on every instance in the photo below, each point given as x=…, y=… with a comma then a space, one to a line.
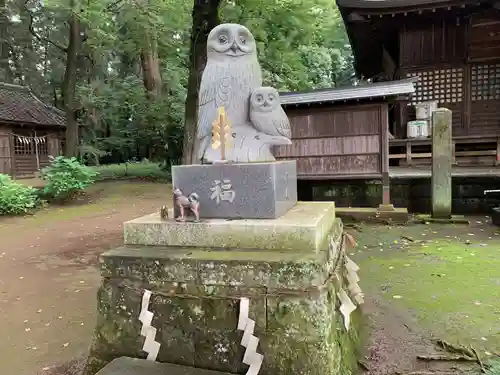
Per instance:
x=443, y=85
x=485, y=82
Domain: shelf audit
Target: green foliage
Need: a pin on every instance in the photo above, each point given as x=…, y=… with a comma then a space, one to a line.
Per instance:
x=65, y=177
x=302, y=45
x=144, y=170
x=16, y=198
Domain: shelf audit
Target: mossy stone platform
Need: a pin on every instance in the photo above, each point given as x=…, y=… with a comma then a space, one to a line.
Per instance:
x=291, y=273
x=304, y=227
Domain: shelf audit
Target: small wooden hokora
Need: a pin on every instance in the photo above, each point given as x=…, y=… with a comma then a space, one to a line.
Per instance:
x=232, y=79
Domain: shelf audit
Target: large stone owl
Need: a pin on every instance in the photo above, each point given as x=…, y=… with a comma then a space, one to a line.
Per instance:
x=266, y=113
x=232, y=73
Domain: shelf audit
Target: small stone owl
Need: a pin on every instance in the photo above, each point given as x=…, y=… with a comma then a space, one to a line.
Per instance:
x=266, y=113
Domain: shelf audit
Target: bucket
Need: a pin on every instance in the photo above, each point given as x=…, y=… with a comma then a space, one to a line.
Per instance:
x=423, y=111
x=417, y=129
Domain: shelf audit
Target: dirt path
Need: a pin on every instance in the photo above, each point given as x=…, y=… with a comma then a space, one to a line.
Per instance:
x=49, y=278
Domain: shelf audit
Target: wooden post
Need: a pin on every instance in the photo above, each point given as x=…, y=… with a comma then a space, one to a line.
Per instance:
x=36, y=152
x=442, y=159
x=13, y=165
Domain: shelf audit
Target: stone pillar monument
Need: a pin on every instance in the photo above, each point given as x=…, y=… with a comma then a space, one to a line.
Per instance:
x=442, y=160
x=240, y=277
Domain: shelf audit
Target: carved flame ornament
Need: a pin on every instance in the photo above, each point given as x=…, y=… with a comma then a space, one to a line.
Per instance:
x=221, y=133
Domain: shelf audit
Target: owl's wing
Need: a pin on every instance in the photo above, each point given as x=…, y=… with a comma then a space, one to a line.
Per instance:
x=281, y=123
x=214, y=93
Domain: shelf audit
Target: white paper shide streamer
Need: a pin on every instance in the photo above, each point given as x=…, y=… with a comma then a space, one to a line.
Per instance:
x=353, y=280
x=249, y=341
x=150, y=346
x=346, y=304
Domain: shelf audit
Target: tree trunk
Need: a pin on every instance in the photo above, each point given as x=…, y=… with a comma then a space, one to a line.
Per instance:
x=69, y=86
x=205, y=17
x=5, y=71
x=151, y=72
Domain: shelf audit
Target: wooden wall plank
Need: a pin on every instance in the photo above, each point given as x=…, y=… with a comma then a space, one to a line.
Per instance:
x=352, y=145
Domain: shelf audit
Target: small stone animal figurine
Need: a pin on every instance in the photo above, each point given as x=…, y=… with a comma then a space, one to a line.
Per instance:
x=190, y=202
x=164, y=213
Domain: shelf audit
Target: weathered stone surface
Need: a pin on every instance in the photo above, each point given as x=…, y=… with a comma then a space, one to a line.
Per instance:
x=303, y=228
x=292, y=299
x=134, y=366
x=240, y=191
x=178, y=268
x=442, y=158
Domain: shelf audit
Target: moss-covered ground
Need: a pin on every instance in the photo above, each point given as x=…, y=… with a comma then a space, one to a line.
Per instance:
x=445, y=278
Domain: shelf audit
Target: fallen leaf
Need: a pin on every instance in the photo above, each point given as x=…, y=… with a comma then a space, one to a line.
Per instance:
x=397, y=297
x=66, y=344
x=39, y=311
x=27, y=329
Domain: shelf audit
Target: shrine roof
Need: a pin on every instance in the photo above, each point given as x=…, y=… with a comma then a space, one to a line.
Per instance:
x=349, y=93
x=18, y=104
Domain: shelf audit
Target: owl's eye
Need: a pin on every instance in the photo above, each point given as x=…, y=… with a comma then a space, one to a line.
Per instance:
x=222, y=39
x=243, y=40
x=270, y=98
x=260, y=98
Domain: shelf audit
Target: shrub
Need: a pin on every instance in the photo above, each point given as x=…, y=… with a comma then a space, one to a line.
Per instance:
x=138, y=170
x=65, y=177
x=16, y=198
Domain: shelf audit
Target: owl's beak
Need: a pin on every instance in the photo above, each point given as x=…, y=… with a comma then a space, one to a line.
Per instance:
x=234, y=47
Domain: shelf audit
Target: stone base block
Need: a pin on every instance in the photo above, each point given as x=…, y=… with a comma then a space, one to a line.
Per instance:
x=240, y=191
x=195, y=304
x=135, y=366
x=304, y=227
x=372, y=215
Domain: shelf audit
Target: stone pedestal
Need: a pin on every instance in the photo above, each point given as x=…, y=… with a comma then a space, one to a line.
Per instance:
x=291, y=275
x=233, y=191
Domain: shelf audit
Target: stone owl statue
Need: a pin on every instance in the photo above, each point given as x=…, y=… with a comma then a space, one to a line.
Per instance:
x=231, y=74
x=266, y=113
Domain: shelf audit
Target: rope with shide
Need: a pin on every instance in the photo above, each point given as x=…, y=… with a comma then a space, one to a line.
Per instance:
x=346, y=239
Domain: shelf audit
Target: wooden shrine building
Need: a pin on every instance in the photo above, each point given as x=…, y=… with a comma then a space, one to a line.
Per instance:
x=30, y=131
x=342, y=133
x=453, y=48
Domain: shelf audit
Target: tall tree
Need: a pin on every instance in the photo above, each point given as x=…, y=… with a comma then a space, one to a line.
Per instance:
x=205, y=17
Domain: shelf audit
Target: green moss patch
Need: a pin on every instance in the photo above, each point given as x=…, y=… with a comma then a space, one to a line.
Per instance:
x=450, y=282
